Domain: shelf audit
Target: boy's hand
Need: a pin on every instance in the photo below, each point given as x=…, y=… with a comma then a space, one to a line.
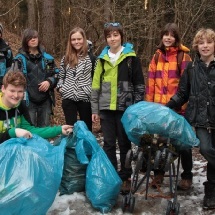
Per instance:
x=67, y=129
x=23, y=133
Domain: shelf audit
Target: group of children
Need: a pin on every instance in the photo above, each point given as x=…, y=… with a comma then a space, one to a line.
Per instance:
x=173, y=80
x=20, y=115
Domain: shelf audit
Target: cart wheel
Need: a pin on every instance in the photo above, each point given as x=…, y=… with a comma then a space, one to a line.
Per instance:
x=128, y=159
x=177, y=208
x=139, y=161
x=131, y=204
x=124, y=203
x=157, y=159
x=168, y=162
x=169, y=209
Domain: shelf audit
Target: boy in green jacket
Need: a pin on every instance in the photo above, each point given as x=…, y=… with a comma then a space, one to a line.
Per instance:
x=14, y=117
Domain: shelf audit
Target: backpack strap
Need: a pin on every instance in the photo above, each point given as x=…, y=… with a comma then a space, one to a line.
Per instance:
x=46, y=59
x=129, y=64
x=180, y=56
x=22, y=60
x=157, y=54
x=93, y=60
x=103, y=70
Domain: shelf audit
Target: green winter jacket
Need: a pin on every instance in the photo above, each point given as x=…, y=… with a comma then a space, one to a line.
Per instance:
x=115, y=87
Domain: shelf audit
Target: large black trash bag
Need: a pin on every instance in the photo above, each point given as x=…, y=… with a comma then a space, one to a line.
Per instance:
x=74, y=173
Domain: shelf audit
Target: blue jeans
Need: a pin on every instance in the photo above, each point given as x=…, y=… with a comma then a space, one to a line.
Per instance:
x=40, y=113
x=207, y=149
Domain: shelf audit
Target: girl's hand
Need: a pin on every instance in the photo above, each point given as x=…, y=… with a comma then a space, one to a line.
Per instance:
x=44, y=86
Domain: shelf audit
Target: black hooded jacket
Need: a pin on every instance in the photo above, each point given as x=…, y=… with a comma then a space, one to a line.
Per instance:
x=197, y=87
x=37, y=74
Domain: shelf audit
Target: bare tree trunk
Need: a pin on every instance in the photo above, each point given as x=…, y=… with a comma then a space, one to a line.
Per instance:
x=48, y=25
x=31, y=14
x=107, y=9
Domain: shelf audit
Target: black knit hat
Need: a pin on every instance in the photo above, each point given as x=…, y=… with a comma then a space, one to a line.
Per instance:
x=1, y=29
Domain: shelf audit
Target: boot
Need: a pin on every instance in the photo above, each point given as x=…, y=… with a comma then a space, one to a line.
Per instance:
x=209, y=198
x=184, y=184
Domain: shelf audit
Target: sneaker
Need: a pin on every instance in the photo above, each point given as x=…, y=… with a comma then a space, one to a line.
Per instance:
x=157, y=181
x=185, y=184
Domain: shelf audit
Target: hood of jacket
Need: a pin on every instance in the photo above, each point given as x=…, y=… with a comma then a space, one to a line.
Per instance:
x=128, y=51
x=174, y=49
x=26, y=54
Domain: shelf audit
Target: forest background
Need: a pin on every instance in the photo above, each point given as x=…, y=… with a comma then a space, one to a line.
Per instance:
x=142, y=21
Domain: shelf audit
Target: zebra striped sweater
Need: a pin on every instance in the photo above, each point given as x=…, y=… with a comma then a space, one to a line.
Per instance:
x=75, y=83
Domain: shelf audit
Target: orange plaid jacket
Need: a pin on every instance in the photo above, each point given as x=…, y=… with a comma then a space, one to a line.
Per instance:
x=163, y=77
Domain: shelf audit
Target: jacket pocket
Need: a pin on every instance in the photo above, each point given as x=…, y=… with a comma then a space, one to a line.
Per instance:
x=105, y=96
x=125, y=95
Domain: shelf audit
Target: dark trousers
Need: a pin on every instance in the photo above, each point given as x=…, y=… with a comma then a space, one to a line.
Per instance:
x=187, y=164
x=207, y=149
x=112, y=129
x=71, y=108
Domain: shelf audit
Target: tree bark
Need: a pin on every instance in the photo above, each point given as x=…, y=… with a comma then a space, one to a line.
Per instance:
x=31, y=14
x=48, y=26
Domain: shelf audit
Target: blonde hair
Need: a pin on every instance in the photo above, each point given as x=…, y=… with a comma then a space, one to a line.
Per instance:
x=71, y=56
x=208, y=33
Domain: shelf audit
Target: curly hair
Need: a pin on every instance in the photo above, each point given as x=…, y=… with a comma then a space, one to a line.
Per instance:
x=207, y=33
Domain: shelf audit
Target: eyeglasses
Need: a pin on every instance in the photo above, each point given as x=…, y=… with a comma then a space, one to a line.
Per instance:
x=114, y=24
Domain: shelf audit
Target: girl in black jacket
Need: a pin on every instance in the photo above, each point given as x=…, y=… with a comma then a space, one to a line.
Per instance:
x=197, y=85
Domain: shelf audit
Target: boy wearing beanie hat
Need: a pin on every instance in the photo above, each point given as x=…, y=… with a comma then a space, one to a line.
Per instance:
x=6, y=55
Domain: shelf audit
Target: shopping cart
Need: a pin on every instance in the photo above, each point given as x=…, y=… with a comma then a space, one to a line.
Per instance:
x=153, y=153
x=159, y=134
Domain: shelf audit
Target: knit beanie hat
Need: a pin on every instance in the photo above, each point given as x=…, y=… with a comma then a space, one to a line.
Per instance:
x=1, y=29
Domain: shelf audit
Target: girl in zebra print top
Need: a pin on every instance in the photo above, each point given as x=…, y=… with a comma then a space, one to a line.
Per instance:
x=75, y=79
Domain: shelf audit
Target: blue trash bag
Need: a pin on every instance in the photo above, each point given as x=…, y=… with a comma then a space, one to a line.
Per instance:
x=102, y=181
x=31, y=171
x=152, y=118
